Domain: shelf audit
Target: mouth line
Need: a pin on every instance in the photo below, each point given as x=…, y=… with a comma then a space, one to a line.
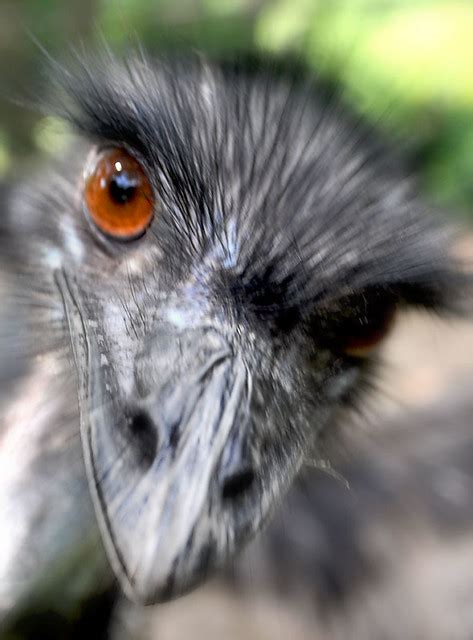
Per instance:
x=76, y=327
x=80, y=344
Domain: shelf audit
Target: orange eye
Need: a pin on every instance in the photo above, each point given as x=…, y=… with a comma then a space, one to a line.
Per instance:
x=118, y=195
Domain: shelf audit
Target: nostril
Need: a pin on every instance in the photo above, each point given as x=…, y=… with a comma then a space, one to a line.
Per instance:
x=144, y=435
x=236, y=484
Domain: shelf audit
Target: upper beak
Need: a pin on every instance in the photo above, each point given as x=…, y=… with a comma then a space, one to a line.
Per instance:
x=167, y=457
x=162, y=465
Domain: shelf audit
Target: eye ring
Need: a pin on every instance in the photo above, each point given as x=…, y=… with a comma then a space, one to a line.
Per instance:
x=118, y=196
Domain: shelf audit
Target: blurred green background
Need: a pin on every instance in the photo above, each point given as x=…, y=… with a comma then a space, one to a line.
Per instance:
x=405, y=64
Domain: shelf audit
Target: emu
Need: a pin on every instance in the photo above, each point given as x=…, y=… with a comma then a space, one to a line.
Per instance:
x=190, y=299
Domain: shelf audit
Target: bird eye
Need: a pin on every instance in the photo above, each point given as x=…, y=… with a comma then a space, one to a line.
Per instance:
x=118, y=195
x=358, y=324
x=365, y=326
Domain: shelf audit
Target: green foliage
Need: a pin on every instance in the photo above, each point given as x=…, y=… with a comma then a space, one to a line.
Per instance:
x=407, y=64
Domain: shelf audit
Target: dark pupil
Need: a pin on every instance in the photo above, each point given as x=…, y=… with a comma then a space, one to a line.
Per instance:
x=122, y=187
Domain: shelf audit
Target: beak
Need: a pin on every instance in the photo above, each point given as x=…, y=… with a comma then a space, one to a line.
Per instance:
x=158, y=465
x=167, y=457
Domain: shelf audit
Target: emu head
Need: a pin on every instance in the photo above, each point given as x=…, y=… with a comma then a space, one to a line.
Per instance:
x=227, y=251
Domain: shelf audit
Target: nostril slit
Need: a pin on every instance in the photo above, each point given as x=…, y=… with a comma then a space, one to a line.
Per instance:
x=144, y=437
x=237, y=484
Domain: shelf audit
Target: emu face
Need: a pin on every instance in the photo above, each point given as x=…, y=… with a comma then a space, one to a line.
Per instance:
x=213, y=347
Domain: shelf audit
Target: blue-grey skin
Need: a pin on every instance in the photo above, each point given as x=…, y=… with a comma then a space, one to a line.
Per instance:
x=202, y=360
